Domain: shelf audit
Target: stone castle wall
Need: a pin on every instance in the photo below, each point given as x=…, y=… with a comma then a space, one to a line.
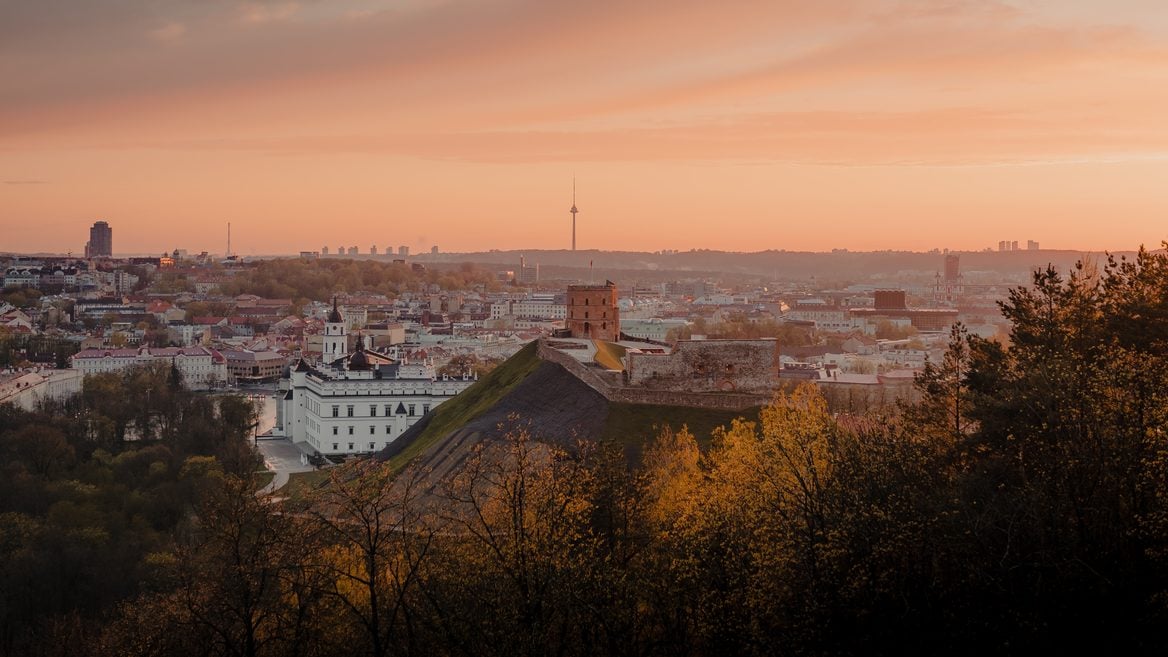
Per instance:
x=749, y=366
x=612, y=387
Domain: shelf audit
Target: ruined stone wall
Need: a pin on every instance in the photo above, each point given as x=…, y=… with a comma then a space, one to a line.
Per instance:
x=611, y=386
x=749, y=366
x=592, y=377
x=727, y=401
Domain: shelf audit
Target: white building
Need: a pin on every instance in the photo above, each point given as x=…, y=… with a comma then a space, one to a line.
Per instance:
x=827, y=317
x=202, y=368
x=656, y=329
x=359, y=402
x=27, y=389
x=536, y=306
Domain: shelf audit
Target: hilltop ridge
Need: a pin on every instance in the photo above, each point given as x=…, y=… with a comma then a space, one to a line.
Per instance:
x=554, y=405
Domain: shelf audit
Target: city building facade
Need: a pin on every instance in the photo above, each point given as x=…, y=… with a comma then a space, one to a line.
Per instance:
x=358, y=402
x=202, y=368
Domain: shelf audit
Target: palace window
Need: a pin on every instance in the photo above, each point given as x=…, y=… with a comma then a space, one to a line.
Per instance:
x=373, y=410
x=350, y=410
x=411, y=410
x=350, y=429
x=334, y=432
x=336, y=410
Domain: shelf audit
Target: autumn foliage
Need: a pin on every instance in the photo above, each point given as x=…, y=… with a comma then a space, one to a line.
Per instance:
x=1020, y=507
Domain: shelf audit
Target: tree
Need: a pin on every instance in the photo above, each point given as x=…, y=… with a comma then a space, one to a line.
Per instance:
x=942, y=389
x=523, y=515
x=380, y=543
x=230, y=572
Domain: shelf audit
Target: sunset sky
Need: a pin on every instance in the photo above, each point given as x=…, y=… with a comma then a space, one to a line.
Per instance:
x=687, y=124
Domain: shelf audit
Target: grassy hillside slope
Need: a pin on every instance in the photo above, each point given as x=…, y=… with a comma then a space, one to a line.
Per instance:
x=466, y=406
x=552, y=404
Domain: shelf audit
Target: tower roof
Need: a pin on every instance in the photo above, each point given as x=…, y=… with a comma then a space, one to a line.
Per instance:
x=359, y=360
x=335, y=316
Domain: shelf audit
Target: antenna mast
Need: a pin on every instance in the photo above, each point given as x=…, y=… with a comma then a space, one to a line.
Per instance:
x=573, y=211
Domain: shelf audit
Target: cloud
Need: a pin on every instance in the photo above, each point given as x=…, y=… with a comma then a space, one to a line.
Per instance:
x=257, y=13
x=168, y=33
x=535, y=81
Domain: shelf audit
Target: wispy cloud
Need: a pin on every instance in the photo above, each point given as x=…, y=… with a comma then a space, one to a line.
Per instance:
x=168, y=33
x=889, y=95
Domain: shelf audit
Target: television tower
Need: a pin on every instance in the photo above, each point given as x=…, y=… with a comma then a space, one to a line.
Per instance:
x=573, y=211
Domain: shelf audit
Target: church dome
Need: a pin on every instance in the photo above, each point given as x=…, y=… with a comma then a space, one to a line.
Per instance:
x=359, y=360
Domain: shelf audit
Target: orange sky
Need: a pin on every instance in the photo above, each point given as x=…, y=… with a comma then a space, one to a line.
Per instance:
x=689, y=124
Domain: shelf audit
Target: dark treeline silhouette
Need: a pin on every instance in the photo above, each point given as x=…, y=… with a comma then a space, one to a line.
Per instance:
x=93, y=492
x=1019, y=507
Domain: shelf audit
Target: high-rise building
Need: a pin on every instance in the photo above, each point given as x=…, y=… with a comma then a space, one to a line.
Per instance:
x=324, y=250
x=434, y=250
x=948, y=290
x=352, y=250
x=403, y=251
x=527, y=273
x=1031, y=245
x=101, y=241
x=373, y=250
x=952, y=267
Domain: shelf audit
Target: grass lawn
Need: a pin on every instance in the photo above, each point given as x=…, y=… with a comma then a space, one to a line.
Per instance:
x=609, y=355
x=263, y=478
x=300, y=484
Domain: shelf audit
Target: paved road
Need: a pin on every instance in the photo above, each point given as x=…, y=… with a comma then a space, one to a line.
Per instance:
x=282, y=457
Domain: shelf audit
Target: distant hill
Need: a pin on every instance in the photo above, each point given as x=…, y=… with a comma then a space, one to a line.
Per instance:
x=554, y=405
x=771, y=264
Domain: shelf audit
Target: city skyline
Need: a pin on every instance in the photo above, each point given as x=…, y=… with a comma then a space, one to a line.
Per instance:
x=745, y=126
x=100, y=245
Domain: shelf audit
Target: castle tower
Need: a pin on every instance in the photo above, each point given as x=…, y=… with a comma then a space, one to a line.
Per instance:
x=336, y=339
x=593, y=311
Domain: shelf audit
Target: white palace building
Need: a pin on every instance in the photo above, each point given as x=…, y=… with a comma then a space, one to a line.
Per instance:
x=358, y=402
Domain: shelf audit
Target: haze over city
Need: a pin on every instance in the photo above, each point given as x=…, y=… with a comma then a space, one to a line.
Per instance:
x=736, y=126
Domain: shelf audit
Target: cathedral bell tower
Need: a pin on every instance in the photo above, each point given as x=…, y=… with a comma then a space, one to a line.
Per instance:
x=336, y=340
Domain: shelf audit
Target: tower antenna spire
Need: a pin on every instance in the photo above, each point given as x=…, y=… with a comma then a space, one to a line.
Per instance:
x=573, y=211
